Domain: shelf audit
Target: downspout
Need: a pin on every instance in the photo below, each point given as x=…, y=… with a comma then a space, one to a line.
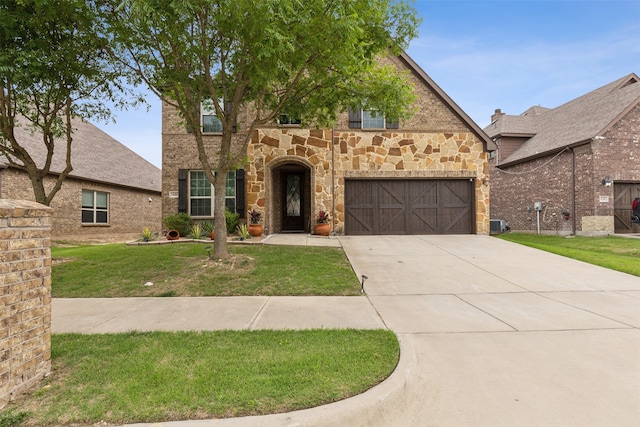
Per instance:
x=333, y=183
x=573, y=191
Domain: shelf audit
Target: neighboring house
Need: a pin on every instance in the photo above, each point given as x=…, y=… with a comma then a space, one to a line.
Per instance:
x=428, y=175
x=111, y=190
x=581, y=161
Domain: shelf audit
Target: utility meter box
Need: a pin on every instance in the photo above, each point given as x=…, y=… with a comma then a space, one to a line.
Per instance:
x=537, y=206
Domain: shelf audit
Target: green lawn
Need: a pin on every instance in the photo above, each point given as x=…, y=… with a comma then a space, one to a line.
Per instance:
x=616, y=253
x=185, y=270
x=163, y=376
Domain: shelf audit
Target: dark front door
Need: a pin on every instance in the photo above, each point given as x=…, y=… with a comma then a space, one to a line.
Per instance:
x=293, y=206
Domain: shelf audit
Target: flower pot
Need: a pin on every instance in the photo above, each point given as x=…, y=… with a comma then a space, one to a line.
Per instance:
x=323, y=229
x=255, y=230
x=173, y=235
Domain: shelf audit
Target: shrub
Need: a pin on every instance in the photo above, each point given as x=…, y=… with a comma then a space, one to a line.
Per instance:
x=232, y=220
x=207, y=227
x=181, y=222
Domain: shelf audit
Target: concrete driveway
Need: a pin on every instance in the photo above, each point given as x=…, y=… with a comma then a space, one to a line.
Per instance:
x=498, y=334
x=492, y=334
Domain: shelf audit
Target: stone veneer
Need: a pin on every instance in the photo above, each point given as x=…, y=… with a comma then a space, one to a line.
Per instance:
x=25, y=292
x=362, y=154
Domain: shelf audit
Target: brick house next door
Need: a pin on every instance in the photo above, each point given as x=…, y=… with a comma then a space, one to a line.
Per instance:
x=410, y=206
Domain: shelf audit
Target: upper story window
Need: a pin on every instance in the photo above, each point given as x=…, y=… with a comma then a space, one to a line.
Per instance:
x=369, y=119
x=372, y=120
x=201, y=194
x=288, y=120
x=210, y=121
x=95, y=207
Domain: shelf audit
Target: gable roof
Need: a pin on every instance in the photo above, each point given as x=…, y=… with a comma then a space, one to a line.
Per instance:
x=95, y=156
x=577, y=122
x=489, y=144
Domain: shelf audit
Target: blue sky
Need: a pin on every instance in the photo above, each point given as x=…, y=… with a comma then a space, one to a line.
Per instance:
x=507, y=54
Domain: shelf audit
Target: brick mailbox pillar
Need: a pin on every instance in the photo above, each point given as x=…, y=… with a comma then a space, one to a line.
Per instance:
x=25, y=296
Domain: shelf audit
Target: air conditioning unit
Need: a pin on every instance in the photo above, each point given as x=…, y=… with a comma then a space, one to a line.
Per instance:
x=499, y=226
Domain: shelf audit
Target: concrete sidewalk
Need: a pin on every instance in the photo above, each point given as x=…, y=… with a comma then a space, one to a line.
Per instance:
x=491, y=333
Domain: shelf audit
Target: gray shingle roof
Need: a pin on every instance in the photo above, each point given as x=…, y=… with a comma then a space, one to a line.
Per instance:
x=576, y=121
x=95, y=156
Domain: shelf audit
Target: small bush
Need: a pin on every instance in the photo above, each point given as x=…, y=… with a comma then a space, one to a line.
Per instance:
x=232, y=220
x=196, y=232
x=181, y=222
x=207, y=227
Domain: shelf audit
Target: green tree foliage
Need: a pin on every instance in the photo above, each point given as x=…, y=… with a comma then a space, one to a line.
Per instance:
x=53, y=67
x=310, y=59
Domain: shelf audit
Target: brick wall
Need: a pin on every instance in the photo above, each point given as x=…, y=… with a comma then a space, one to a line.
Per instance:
x=25, y=292
x=129, y=209
x=515, y=190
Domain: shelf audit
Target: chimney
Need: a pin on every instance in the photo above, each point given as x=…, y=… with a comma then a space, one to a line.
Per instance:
x=497, y=115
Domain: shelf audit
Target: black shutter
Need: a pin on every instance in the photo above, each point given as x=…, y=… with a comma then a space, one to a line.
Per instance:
x=182, y=190
x=241, y=209
x=392, y=124
x=355, y=119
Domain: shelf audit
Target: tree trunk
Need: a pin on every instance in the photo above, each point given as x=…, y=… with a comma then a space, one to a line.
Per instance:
x=220, y=245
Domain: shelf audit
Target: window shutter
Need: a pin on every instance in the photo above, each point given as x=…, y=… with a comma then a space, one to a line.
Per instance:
x=392, y=125
x=355, y=119
x=240, y=194
x=182, y=190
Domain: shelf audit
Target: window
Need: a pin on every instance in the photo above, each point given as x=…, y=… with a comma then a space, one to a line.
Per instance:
x=372, y=120
x=95, y=207
x=369, y=119
x=288, y=120
x=201, y=194
x=210, y=121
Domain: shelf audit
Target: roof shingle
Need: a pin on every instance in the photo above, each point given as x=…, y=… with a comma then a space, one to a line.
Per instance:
x=95, y=156
x=576, y=121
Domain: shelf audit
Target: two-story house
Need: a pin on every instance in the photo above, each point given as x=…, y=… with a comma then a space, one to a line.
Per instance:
x=428, y=175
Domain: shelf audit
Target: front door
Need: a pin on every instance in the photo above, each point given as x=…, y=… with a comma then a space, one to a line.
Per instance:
x=624, y=193
x=293, y=206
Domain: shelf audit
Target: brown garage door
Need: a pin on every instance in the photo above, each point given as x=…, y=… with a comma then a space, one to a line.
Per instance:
x=374, y=207
x=624, y=193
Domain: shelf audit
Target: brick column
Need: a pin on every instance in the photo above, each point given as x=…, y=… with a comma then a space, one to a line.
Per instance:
x=25, y=296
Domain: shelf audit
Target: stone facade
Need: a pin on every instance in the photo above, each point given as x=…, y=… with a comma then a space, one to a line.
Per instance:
x=25, y=292
x=438, y=142
x=129, y=208
x=348, y=154
x=571, y=181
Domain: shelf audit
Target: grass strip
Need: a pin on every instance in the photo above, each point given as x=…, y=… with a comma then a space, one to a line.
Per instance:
x=185, y=270
x=166, y=376
x=616, y=253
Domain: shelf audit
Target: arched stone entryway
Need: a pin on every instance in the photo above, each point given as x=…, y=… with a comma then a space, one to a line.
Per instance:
x=289, y=195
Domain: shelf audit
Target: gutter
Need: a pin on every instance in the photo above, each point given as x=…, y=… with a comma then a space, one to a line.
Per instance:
x=544, y=154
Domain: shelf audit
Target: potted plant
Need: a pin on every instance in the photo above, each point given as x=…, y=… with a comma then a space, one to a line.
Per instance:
x=255, y=228
x=323, y=228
